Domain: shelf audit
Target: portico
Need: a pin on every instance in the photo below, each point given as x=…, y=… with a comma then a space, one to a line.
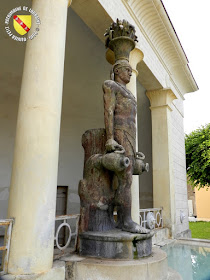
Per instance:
x=48, y=154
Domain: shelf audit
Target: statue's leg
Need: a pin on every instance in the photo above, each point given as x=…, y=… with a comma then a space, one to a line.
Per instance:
x=123, y=197
x=123, y=192
x=123, y=200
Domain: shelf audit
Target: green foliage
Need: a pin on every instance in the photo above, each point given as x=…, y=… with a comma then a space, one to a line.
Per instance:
x=197, y=145
x=200, y=230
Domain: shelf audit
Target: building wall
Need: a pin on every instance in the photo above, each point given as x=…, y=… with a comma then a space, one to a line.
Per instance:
x=202, y=198
x=8, y=114
x=179, y=166
x=10, y=83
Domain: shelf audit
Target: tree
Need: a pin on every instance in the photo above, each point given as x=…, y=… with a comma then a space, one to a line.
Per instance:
x=197, y=145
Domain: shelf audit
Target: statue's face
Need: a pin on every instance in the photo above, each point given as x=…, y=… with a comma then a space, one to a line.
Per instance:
x=124, y=74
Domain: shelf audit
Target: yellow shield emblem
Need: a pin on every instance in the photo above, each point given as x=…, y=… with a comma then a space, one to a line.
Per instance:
x=22, y=23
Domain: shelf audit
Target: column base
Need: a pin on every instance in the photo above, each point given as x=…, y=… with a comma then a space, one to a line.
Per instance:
x=57, y=272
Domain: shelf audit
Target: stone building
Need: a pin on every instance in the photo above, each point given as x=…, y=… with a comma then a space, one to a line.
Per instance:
x=51, y=94
x=202, y=197
x=198, y=203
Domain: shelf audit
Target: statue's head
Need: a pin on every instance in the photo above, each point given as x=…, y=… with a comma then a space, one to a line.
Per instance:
x=121, y=71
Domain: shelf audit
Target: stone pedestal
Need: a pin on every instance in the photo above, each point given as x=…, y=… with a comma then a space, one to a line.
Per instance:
x=115, y=244
x=154, y=267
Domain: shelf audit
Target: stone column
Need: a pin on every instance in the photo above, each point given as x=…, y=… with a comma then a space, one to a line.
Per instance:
x=34, y=176
x=163, y=185
x=136, y=56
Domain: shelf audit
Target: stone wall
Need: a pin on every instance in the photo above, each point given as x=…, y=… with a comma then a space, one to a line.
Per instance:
x=179, y=166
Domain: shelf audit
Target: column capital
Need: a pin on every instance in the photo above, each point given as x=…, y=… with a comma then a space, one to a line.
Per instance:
x=136, y=56
x=161, y=98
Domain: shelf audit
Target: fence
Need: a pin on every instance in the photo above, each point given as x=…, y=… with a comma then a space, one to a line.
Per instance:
x=7, y=223
x=64, y=218
x=151, y=218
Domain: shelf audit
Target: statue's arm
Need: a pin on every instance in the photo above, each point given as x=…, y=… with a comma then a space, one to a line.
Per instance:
x=109, y=107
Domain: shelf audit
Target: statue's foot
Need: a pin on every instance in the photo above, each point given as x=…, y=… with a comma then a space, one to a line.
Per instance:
x=134, y=228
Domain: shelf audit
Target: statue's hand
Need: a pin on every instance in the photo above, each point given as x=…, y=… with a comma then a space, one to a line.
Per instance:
x=113, y=146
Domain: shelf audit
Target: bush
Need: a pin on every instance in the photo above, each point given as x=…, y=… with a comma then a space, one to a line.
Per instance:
x=197, y=145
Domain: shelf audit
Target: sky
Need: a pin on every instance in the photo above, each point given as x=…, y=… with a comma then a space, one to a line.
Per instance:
x=191, y=20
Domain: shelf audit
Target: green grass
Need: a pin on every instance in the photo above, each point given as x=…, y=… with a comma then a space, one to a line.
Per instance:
x=200, y=230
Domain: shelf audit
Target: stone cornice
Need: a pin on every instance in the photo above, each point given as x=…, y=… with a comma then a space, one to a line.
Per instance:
x=155, y=25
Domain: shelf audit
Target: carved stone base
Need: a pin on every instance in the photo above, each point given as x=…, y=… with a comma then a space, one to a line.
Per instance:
x=115, y=244
x=154, y=267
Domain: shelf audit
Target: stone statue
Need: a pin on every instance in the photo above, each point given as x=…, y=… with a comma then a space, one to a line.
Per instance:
x=110, y=162
x=120, y=123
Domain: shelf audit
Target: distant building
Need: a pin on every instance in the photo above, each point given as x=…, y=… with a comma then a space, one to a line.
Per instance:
x=202, y=198
x=198, y=203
